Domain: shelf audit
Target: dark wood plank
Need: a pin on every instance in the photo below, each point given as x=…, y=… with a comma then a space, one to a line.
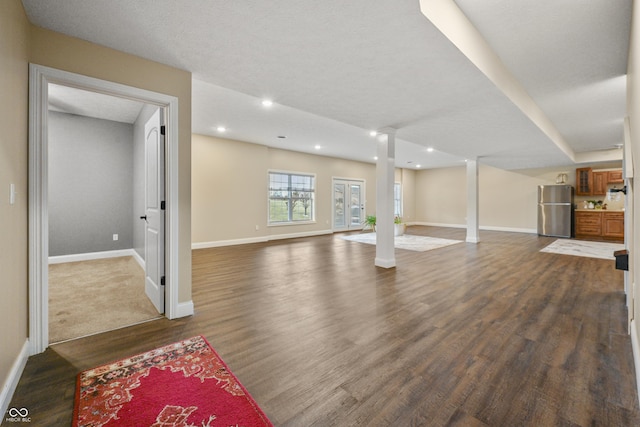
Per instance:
x=488, y=334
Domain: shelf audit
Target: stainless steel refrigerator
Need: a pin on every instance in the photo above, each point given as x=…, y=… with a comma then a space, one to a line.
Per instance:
x=555, y=210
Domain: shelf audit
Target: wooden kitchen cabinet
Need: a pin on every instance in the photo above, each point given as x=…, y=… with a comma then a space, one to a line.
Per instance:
x=594, y=183
x=613, y=225
x=599, y=225
x=588, y=224
x=615, y=177
x=599, y=183
x=584, y=178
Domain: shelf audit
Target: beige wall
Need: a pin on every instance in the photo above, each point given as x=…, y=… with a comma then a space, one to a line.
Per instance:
x=633, y=98
x=508, y=199
x=407, y=177
x=229, y=174
x=229, y=190
x=441, y=196
x=70, y=54
x=14, y=50
x=437, y=196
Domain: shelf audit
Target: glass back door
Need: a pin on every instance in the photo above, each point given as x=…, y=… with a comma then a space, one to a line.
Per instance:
x=348, y=204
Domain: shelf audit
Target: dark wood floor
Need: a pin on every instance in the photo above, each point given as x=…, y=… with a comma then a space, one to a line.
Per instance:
x=493, y=334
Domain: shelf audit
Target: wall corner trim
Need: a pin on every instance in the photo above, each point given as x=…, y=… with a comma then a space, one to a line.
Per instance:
x=184, y=309
x=9, y=386
x=635, y=345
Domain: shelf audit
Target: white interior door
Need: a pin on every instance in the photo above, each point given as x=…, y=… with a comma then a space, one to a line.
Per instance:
x=348, y=204
x=154, y=211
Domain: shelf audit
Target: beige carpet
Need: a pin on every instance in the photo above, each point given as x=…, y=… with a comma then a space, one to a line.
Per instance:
x=88, y=297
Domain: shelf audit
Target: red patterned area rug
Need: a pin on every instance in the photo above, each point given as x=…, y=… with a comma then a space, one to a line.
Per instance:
x=184, y=384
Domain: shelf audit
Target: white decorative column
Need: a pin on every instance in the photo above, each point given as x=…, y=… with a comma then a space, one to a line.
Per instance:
x=385, y=168
x=473, y=233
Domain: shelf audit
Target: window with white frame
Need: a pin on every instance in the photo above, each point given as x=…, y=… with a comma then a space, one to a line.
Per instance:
x=397, y=199
x=291, y=197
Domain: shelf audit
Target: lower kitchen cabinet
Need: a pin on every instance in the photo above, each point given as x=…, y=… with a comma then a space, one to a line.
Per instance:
x=613, y=224
x=599, y=225
x=588, y=224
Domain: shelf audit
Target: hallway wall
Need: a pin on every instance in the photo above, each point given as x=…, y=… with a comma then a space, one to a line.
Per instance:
x=14, y=83
x=90, y=184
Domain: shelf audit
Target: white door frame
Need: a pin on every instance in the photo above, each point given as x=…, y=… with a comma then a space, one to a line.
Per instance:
x=39, y=78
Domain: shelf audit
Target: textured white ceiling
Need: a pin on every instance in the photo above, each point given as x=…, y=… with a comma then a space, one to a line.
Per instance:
x=302, y=130
x=80, y=102
x=338, y=69
x=571, y=57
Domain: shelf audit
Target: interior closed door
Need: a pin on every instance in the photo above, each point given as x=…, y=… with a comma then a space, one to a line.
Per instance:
x=154, y=211
x=348, y=202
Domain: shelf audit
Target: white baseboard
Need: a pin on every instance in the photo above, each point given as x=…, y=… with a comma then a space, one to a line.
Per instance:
x=297, y=235
x=509, y=229
x=635, y=345
x=138, y=258
x=385, y=263
x=184, y=309
x=220, y=243
x=439, y=224
x=482, y=227
x=91, y=255
x=9, y=386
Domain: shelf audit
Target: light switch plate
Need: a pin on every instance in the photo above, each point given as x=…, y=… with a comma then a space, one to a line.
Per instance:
x=12, y=194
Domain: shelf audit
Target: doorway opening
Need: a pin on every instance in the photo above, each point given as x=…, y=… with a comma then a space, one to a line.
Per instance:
x=39, y=191
x=101, y=175
x=348, y=204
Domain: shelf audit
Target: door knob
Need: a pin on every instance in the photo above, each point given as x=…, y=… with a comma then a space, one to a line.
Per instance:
x=143, y=217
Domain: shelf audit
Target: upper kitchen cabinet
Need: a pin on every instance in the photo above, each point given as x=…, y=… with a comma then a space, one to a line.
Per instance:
x=615, y=177
x=594, y=183
x=584, y=182
x=599, y=183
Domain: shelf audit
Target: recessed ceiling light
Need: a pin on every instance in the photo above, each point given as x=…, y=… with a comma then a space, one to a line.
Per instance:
x=418, y=166
x=375, y=158
x=373, y=133
x=221, y=129
x=317, y=147
x=267, y=103
x=430, y=149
